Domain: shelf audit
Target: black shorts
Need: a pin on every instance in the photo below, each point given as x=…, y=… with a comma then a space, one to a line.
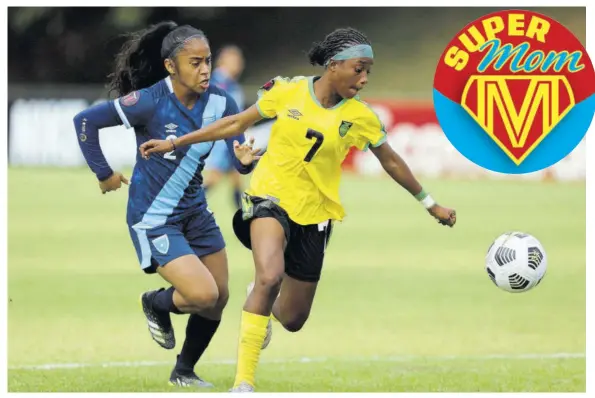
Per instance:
x=306, y=244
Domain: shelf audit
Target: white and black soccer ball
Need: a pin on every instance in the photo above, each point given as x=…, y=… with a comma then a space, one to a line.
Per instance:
x=516, y=262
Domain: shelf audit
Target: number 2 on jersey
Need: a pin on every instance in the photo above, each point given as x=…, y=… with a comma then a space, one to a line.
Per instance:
x=170, y=155
x=319, y=140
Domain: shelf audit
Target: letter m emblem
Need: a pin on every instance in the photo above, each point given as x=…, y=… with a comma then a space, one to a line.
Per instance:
x=517, y=112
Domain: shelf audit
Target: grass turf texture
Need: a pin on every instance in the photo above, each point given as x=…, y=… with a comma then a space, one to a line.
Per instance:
x=395, y=284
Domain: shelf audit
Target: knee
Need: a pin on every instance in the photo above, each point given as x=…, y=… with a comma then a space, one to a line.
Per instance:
x=203, y=298
x=269, y=281
x=269, y=268
x=295, y=322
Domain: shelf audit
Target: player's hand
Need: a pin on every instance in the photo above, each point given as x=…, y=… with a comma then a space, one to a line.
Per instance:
x=444, y=215
x=245, y=153
x=156, y=146
x=113, y=183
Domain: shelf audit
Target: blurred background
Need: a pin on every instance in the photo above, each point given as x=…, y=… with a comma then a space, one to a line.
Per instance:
x=72, y=48
x=403, y=304
x=59, y=59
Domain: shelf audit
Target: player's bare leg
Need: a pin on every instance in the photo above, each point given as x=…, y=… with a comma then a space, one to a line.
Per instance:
x=201, y=327
x=216, y=263
x=268, y=243
x=193, y=290
x=195, y=286
x=292, y=306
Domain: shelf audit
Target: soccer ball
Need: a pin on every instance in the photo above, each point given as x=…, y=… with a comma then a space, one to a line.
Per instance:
x=516, y=262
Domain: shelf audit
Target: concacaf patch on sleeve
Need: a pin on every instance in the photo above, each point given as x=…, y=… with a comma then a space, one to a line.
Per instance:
x=130, y=99
x=268, y=85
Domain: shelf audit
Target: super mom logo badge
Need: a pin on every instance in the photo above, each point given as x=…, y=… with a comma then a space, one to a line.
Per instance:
x=514, y=91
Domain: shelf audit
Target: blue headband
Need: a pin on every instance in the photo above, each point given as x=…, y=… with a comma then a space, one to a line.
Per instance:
x=358, y=51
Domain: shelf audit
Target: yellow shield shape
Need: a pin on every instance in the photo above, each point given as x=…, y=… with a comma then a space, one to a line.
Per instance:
x=517, y=112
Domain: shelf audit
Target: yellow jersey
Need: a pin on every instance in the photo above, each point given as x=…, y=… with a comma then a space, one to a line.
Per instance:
x=301, y=169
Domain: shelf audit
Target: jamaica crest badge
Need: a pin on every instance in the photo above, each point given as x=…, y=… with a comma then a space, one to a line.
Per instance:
x=344, y=128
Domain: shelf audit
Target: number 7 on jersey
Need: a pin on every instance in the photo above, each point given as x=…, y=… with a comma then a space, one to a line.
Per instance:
x=319, y=140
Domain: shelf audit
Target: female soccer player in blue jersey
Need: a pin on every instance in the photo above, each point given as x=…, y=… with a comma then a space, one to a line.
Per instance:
x=293, y=198
x=162, y=80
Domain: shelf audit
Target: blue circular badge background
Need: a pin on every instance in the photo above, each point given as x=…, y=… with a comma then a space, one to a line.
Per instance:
x=475, y=144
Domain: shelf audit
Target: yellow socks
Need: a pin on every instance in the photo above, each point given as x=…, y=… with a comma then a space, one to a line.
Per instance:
x=252, y=332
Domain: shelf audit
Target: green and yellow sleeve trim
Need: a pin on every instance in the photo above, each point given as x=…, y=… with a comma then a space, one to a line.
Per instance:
x=262, y=113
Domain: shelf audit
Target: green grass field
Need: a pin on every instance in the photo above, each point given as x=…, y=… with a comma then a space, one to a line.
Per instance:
x=404, y=303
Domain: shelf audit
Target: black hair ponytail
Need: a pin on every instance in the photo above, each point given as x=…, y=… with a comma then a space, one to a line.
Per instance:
x=140, y=63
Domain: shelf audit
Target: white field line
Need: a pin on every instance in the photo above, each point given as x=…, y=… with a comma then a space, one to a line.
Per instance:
x=404, y=358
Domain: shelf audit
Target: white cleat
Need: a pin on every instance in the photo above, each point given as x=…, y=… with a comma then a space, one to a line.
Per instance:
x=243, y=387
x=269, y=334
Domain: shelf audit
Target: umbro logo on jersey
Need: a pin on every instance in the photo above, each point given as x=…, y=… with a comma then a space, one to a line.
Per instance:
x=171, y=128
x=294, y=114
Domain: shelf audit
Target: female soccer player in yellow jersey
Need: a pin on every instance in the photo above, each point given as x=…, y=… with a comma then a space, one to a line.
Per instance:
x=293, y=198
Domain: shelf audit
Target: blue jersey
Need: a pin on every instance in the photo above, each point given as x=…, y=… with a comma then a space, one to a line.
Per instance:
x=220, y=159
x=167, y=187
x=232, y=87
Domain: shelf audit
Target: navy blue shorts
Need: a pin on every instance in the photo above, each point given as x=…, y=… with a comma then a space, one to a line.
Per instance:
x=197, y=234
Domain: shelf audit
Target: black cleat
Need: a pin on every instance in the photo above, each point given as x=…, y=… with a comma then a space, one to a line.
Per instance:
x=187, y=380
x=159, y=324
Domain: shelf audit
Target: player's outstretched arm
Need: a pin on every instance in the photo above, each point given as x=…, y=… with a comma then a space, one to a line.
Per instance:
x=243, y=154
x=396, y=167
x=223, y=128
x=87, y=125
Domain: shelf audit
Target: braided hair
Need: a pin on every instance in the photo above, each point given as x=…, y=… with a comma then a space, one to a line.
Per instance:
x=335, y=42
x=139, y=64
